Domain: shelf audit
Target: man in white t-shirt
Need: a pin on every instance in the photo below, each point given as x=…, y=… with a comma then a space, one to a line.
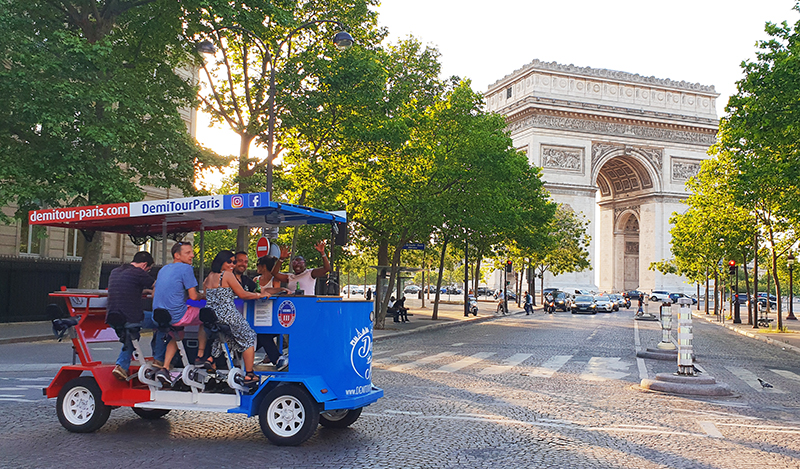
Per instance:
x=301, y=278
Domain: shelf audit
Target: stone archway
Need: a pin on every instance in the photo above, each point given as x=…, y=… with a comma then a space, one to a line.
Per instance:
x=627, y=177
x=630, y=261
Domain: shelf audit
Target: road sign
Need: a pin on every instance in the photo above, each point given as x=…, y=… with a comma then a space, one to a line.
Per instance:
x=414, y=246
x=262, y=247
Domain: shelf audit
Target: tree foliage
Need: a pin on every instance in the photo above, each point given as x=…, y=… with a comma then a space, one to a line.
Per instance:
x=90, y=93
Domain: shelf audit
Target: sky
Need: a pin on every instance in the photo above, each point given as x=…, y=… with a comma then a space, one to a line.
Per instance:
x=699, y=41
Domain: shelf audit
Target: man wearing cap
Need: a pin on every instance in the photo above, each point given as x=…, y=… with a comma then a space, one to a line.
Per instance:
x=302, y=280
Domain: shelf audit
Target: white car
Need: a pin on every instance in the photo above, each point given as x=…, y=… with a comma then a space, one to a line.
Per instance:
x=660, y=296
x=604, y=303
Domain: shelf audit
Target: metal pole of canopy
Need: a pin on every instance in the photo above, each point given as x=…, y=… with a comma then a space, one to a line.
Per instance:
x=164, y=242
x=202, y=251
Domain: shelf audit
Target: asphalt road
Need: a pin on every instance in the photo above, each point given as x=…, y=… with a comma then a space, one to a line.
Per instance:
x=521, y=391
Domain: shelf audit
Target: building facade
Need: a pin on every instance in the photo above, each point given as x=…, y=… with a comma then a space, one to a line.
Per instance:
x=617, y=147
x=36, y=260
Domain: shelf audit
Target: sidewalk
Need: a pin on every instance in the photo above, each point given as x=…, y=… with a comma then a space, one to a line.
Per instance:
x=448, y=315
x=786, y=340
x=419, y=320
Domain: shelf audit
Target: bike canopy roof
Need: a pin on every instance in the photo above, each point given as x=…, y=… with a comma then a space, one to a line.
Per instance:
x=202, y=213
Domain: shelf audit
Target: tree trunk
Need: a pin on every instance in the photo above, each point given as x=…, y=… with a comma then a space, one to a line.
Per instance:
x=383, y=259
x=774, y=256
x=716, y=290
x=707, y=287
x=435, y=314
x=755, y=281
x=477, y=276
x=92, y=262
x=393, y=273
x=243, y=233
x=747, y=289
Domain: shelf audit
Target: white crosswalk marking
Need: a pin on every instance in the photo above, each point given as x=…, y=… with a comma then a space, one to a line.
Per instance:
x=20, y=388
x=508, y=363
x=394, y=358
x=786, y=374
x=465, y=362
x=751, y=379
x=421, y=361
x=549, y=368
x=605, y=368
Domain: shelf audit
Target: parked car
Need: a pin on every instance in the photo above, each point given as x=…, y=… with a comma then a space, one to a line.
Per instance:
x=584, y=304
x=675, y=296
x=762, y=302
x=604, y=304
x=412, y=289
x=563, y=300
x=483, y=291
x=741, y=298
x=660, y=296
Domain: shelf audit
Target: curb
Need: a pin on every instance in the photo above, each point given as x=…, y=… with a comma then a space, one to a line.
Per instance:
x=752, y=335
x=443, y=325
x=34, y=338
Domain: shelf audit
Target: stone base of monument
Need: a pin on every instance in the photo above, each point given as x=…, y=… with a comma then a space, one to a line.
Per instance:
x=689, y=385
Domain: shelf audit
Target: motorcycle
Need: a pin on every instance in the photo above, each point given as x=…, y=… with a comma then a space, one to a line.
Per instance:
x=473, y=306
x=550, y=306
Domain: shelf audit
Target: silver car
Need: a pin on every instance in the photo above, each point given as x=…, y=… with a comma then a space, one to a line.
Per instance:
x=604, y=303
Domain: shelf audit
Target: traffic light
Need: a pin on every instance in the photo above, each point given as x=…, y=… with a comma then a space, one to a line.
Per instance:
x=508, y=266
x=732, y=267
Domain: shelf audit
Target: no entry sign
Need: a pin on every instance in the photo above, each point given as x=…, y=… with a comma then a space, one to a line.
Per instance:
x=262, y=247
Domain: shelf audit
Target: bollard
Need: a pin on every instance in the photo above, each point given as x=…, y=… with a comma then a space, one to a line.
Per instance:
x=666, y=327
x=685, y=350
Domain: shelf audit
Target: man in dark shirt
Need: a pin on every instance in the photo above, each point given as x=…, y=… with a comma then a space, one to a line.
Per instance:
x=239, y=271
x=126, y=284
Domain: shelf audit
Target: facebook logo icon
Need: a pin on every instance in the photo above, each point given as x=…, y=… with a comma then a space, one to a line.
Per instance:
x=255, y=200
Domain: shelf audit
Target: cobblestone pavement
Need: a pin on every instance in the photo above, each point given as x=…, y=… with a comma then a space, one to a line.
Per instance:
x=522, y=391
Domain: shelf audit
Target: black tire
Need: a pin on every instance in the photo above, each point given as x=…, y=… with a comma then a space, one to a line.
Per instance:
x=288, y=415
x=150, y=414
x=339, y=418
x=653, y=298
x=80, y=406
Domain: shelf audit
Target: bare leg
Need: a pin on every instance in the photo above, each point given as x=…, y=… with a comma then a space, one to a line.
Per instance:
x=248, y=356
x=172, y=349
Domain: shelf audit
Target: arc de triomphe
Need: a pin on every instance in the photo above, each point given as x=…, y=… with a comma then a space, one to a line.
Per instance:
x=617, y=147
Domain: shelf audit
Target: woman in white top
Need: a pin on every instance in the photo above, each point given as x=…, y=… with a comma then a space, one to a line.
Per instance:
x=302, y=278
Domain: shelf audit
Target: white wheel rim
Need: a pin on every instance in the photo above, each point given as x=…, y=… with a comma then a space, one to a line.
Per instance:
x=335, y=415
x=78, y=405
x=286, y=416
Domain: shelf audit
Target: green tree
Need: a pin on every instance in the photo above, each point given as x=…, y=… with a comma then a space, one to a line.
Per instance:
x=760, y=134
x=90, y=93
x=269, y=68
x=563, y=246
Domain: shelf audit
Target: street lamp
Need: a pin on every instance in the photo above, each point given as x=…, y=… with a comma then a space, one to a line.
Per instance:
x=790, y=263
x=342, y=40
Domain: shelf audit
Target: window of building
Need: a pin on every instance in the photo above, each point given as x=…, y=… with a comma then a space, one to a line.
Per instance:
x=31, y=239
x=76, y=243
x=508, y=93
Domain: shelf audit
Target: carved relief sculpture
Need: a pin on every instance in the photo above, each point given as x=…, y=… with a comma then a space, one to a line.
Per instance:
x=684, y=171
x=564, y=158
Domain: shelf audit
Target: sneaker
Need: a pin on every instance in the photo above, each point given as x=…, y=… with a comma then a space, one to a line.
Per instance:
x=282, y=364
x=164, y=377
x=120, y=373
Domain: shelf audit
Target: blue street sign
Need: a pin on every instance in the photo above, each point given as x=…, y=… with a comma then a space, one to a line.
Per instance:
x=414, y=246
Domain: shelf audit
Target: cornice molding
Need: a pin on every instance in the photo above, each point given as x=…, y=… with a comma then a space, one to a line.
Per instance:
x=610, y=126
x=607, y=74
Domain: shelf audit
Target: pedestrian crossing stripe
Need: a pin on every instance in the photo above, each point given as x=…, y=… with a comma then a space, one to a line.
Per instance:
x=752, y=380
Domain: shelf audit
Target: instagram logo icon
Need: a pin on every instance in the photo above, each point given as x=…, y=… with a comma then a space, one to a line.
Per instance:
x=237, y=201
